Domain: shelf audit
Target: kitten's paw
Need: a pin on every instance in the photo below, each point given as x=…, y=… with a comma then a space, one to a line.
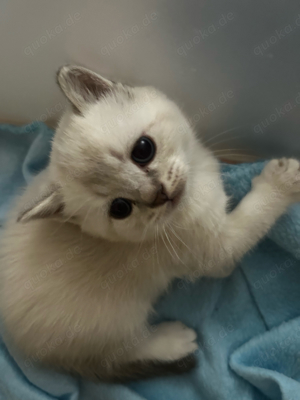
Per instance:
x=283, y=175
x=175, y=341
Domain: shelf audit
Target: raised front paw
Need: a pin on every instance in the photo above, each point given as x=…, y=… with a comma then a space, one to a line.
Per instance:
x=283, y=176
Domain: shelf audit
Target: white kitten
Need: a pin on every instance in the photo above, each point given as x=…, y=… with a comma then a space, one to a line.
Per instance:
x=130, y=201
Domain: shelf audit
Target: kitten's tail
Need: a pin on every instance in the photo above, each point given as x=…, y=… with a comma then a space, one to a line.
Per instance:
x=150, y=369
x=129, y=371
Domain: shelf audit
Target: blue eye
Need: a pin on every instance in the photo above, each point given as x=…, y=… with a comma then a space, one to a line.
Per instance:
x=143, y=151
x=120, y=208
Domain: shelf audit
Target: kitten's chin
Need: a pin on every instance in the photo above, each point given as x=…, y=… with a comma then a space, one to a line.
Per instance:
x=174, y=207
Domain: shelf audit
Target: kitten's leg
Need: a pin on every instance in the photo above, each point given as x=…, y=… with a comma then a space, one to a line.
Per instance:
x=166, y=351
x=168, y=341
x=277, y=187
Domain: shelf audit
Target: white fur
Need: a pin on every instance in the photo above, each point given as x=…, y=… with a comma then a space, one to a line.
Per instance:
x=86, y=273
x=170, y=341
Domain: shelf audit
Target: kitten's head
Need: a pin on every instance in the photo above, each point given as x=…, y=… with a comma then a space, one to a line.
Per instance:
x=121, y=159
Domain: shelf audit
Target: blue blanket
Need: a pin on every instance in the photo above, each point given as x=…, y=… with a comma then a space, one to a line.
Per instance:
x=248, y=325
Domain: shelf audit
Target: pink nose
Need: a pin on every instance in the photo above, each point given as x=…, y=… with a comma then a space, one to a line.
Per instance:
x=161, y=197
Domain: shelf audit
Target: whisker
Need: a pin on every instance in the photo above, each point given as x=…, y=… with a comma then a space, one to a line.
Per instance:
x=167, y=246
x=239, y=154
x=156, y=241
x=221, y=133
x=222, y=150
x=180, y=227
x=226, y=140
x=181, y=240
x=172, y=245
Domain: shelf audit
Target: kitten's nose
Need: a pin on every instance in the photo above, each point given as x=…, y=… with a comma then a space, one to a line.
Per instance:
x=161, y=197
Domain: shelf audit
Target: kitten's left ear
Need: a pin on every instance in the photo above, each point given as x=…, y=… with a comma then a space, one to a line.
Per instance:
x=82, y=86
x=48, y=204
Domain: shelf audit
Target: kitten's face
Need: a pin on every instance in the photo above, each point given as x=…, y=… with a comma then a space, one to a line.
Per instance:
x=123, y=162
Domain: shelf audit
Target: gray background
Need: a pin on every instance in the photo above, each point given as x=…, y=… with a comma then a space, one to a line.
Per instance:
x=232, y=65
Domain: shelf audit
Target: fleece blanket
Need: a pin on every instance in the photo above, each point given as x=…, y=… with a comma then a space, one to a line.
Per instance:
x=248, y=324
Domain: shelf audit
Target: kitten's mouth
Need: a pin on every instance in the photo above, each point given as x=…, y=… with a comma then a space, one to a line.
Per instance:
x=176, y=197
x=173, y=199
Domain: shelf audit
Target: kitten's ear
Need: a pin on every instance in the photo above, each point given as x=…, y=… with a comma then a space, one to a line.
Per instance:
x=82, y=86
x=48, y=204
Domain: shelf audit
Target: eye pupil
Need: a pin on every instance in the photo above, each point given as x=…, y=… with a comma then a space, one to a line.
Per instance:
x=143, y=150
x=120, y=208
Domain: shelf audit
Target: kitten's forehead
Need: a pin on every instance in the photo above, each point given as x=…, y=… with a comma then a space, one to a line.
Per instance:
x=104, y=137
x=115, y=122
x=122, y=117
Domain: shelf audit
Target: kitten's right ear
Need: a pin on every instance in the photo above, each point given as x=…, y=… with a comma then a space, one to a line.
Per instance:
x=82, y=86
x=48, y=204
